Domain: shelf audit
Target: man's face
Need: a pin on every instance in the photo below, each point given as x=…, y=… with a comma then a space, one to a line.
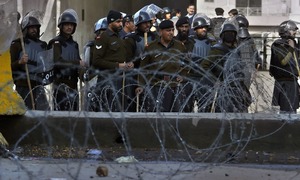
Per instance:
x=168, y=16
x=201, y=32
x=191, y=9
x=183, y=30
x=167, y=34
x=145, y=26
x=293, y=33
x=116, y=26
x=130, y=25
x=32, y=31
x=68, y=28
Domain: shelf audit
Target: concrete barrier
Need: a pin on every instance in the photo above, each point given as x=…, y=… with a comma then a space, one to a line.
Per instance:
x=264, y=132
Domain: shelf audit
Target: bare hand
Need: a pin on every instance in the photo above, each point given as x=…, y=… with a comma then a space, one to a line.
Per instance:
x=291, y=43
x=126, y=66
x=129, y=65
x=81, y=62
x=179, y=79
x=139, y=90
x=24, y=59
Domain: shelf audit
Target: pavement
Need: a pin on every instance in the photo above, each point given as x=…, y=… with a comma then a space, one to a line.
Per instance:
x=45, y=169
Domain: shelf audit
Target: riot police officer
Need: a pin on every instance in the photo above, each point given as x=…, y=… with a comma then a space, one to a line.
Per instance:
x=135, y=44
x=202, y=46
x=248, y=53
x=67, y=63
x=33, y=48
x=167, y=13
x=224, y=63
x=284, y=68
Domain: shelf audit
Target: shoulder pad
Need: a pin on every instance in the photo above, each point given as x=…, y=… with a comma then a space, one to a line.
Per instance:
x=220, y=47
x=134, y=36
x=90, y=43
x=16, y=41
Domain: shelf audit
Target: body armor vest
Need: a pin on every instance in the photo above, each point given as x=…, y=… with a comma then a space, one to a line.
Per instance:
x=201, y=49
x=140, y=45
x=70, y=51
x=33, y=48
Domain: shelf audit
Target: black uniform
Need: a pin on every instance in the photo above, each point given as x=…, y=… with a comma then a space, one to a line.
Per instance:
x=226, y=66
x=33, y=47
x=284, y=70
x=66, y=69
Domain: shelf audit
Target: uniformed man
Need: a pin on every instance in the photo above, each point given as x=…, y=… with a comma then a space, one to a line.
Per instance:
x=67, y=63
x=230, y=93
x=92, y=101
x=167, y=13
x=110, y=59
x=248, y=53
x=33, y=47
x=128, y=26
x=183, y=27
x=284, y=68
x=162, y=67
x=135, y=44
x=202, y=46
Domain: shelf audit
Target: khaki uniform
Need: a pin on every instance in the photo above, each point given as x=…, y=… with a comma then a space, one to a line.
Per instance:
x=161, y=66
x=109, y=51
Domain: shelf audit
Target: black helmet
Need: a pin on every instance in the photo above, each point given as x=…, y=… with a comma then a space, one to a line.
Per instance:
x=200, y=22
x=29, y=21
x=67, y=17
x=242, y=21
x=243, y=33
x=141, y=17
x=285, y=27
x=227, y=27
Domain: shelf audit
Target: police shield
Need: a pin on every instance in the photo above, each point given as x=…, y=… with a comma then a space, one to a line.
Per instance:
x=45, y=66
x=8, y=23
x=151, y=9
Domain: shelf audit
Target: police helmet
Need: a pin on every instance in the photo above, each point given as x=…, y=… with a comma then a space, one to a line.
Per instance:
x=141, y=17
x=285, y=27
x=166, y=10
x=200, y=22
x=29, y=21
x=101, y=24
x=226, y=28
x=242, y=21
x=243, y=33
x=67, y=17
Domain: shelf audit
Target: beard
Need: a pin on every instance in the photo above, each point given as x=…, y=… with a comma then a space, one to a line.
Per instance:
x=183, y=35
x=33, y=35
x=116, y=29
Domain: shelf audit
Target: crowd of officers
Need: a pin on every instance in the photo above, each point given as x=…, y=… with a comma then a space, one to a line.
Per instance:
x=140, y=70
